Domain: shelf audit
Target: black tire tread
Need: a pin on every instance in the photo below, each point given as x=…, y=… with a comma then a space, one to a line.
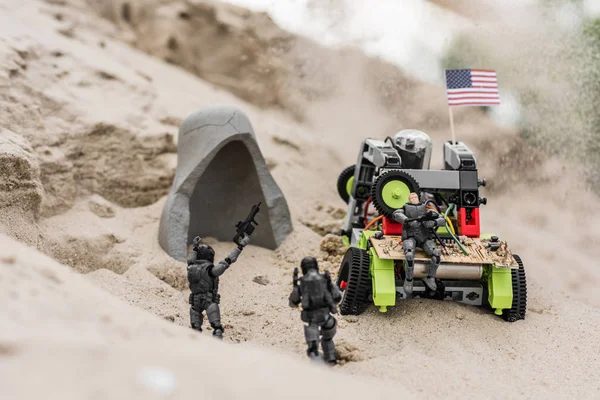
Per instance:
x=346, y=174
x=519, y=290
x=356, y=296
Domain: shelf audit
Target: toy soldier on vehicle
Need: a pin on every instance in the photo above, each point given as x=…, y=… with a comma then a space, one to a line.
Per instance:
x=418, y=231
x=319, y=298
x=203, y=275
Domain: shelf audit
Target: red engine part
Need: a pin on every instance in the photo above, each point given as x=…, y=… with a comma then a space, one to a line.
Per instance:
x=391, y=227
x=468, y=228
x=343, y=285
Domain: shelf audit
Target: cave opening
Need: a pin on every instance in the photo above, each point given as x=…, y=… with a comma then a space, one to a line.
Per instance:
x=225, y=194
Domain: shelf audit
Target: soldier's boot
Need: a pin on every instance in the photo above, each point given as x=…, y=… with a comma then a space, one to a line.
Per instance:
x=214, y=317
x=195, y=319
x=434, y=263
x=328, y=331
x=313, y=350
x=311, y=334
x=218, y=331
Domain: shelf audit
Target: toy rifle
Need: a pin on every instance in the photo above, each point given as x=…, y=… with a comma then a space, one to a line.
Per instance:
x=245, y=228
x=295, y=278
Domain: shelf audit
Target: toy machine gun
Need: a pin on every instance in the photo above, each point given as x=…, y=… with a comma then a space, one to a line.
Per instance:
x=246, y=227
x=295, y=277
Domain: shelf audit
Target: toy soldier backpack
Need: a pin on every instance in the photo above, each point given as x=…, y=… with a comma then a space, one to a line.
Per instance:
x=315, y=292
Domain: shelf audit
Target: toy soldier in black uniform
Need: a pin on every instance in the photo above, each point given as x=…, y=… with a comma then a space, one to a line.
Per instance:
x=203, y=277
x=418, y=224
x=319, y=298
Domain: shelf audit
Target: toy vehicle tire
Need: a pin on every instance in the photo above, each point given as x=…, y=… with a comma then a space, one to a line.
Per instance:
x=356, y=266
x=519, y=291
x=346, y=174
x=382, y=180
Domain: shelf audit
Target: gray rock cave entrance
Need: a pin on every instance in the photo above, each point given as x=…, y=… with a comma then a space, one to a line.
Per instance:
x=224, y=195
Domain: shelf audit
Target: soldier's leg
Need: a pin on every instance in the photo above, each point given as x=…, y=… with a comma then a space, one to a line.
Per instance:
x=195, y=313
x=311, y=334
x=408, y=246
x=432, y=250
x=195, y=319
x=214, y=317
x=328, y=330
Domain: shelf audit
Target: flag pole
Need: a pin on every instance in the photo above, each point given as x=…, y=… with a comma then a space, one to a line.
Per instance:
x=452, y=125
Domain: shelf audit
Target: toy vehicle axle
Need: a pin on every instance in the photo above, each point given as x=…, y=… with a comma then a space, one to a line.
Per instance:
x=450, y=271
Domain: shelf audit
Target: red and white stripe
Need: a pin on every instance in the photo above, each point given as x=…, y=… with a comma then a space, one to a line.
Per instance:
x=484, y=91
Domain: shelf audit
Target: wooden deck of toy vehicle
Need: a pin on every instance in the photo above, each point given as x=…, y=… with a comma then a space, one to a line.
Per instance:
x=390, y=247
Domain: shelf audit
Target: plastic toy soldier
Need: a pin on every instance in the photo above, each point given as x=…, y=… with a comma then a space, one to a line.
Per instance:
x=319, y=298
x=203, y=277
x=418, y=224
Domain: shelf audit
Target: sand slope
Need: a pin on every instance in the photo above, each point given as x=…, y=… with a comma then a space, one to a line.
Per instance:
x=62, y=337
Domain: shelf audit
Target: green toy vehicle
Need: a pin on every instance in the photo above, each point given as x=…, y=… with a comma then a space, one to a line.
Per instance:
x=474, y=269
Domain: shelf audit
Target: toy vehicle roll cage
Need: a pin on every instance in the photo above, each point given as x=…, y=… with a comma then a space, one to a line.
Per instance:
x=378, y=178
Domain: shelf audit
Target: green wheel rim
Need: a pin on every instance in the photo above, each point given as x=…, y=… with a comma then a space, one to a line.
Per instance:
x=395, y=194
x=349, y=185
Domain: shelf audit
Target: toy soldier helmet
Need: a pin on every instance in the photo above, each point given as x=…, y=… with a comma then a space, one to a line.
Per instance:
x=309, y=263
x=205, y=252
x=414, y=148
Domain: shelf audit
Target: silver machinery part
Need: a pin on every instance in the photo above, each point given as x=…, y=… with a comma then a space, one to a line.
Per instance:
x=450, y=271
x=414, y=148
x=467, y=292
x=373, y=154
x=380, y=154
x=458, y=155
x=356, y=234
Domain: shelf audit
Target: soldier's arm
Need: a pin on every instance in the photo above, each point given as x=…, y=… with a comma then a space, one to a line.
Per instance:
x=295, y=297
x=399, y=215
x=222, y=266
x=192, y=257
x=440, y=220
x=219, y=268
x=336, y=294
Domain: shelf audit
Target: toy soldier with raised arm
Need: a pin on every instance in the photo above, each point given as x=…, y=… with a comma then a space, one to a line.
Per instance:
x=319, y=298
x=418, y=231
x=203, y=275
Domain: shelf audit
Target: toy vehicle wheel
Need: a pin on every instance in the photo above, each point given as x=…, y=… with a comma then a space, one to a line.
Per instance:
x=354, y=280
x=519, y=291
x=391, y=190
x=344, y=183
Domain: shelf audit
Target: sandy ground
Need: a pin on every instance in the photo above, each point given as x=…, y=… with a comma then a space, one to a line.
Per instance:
x=93, y=122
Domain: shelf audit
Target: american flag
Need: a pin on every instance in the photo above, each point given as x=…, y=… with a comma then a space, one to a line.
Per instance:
x=472, y=87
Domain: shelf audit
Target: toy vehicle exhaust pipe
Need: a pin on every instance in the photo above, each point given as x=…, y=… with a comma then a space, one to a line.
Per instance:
x=450, y=271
